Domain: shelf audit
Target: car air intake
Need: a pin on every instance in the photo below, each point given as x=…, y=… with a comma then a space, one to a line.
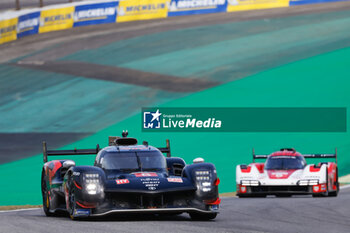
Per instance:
x=125, y=141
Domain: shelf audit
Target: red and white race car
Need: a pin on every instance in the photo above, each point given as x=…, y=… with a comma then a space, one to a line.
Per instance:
x=286, y=173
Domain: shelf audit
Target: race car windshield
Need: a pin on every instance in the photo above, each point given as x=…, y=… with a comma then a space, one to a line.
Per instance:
x=285, y=162
x=133, y=161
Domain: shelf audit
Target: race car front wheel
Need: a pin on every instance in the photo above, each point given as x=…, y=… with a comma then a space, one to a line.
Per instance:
x=335, y=193
x=72, y=204
x=45, y=195
x=202, y=217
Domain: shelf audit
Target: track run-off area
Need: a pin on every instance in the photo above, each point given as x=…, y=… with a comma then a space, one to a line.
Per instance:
x=75, y=88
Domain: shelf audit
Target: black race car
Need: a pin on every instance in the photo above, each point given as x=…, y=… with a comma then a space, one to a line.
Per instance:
x=128, y=178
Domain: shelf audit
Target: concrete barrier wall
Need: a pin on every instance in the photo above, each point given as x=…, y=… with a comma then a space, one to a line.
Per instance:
x=17, y=24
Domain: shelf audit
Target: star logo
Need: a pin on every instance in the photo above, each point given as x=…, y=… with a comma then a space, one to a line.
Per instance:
x=156, y=115
x=152, y=120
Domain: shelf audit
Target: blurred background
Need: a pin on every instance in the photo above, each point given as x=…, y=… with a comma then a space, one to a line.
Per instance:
x=20, y=4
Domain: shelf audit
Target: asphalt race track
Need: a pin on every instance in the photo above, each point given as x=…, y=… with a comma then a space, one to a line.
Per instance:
x=279, y=215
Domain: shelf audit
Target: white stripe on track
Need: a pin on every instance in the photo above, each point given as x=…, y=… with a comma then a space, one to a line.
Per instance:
x=345, y=186
x=5, y=211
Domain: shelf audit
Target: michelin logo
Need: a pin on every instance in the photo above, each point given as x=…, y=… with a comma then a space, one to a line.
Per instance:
x=140, y=8
x=186, y=4
x=94, y=13
x=28, y=24
x=55, y=19
x=6, y=30
x=151, y=120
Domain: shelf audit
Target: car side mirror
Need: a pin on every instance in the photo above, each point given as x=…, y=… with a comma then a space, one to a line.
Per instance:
x=198, y=160
x=68, y=163
x=65, y=166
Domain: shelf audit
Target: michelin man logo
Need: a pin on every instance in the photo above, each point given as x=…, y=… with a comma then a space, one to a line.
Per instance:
x=151, y=120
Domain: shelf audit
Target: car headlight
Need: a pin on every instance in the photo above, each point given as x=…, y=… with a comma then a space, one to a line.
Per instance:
x=92, y=178
x=308, y=182
x=92, y=182
x=91, y=189
x=250, y=183
x=203, y=179
x=202, y=175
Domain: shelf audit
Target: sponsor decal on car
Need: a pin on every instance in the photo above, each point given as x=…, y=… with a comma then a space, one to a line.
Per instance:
x=151, y=183
x=122, y=181
x=279, y=174
x=175, y=180
x=81, y=212
x=76, y=173
x=145, y=174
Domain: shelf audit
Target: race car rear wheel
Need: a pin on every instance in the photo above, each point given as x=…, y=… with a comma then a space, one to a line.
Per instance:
x=45, y=195
x=202, y=217
x=335, y=193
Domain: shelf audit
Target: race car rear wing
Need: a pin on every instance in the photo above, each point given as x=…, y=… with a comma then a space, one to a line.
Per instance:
x=68, y=152
x=317, y=156
x=166, y=149
x=258, y=156
x=307, y=156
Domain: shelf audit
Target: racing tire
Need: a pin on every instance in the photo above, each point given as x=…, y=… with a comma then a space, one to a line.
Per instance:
x=326, y=194
x=72, y=204
x=45, y=195
x=335, y=193
x=203, y=217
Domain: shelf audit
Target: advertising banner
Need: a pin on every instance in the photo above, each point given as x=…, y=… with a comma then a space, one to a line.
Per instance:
x=56, y=19
x=301, y=2
x=28, y=24
x=95, y=14
x=130, y=10
x=242, y=5
x=8, y=30
x=189, y=7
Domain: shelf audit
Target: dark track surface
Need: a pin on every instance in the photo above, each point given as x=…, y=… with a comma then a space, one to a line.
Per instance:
x=30, y=143
x=287, y=215
x=122, y=75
